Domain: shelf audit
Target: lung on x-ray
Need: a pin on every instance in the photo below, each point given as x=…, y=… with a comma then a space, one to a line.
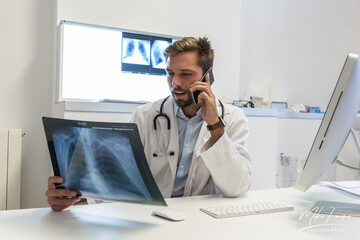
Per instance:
x=144, y=53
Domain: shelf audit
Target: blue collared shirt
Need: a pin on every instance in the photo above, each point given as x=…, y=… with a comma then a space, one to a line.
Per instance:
x=189, y=129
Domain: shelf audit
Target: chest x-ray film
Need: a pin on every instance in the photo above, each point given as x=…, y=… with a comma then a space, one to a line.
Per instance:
x=101, y=160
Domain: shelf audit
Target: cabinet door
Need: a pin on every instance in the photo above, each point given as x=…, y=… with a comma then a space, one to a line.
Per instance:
x=3, y=167
x=263, y=145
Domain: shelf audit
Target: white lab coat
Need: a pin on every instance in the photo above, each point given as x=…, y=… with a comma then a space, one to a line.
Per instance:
x=227, y=163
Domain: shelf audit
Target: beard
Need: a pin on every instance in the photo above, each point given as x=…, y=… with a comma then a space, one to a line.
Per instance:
x=183, y=102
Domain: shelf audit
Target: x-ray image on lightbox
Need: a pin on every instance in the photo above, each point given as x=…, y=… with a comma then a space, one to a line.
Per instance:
x=157, y=53
x=144, y=54
x=136, y=51
x=101, y=160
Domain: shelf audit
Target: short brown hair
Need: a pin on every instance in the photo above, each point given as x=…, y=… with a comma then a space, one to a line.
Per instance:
x=187, y=44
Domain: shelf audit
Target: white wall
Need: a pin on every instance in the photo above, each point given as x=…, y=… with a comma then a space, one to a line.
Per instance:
x=300, y=45
x=295, y=47
x=26, y=74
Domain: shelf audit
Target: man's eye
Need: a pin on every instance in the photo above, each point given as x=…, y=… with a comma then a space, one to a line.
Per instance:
x=187, y=74
x=169, y=73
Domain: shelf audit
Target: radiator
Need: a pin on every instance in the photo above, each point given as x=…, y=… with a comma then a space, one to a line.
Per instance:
x=10, y=168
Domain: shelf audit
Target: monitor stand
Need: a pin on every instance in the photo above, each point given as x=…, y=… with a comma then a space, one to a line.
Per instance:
x=357, y=144
x=340, y=208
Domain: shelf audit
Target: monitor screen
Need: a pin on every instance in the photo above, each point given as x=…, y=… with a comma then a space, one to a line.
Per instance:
x=336, y=124
x=101, y=160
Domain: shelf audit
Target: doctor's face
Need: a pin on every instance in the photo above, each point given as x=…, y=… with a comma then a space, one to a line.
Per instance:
x=182, y=71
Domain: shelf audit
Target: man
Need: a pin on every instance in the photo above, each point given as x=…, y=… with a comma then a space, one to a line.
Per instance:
x=201, y=149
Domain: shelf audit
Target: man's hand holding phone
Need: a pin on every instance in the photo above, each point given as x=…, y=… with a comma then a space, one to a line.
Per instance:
x=207, y=100
x=204, y=95
x=210, y=75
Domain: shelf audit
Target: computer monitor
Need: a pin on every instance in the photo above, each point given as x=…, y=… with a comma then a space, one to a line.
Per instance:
x=339, y=118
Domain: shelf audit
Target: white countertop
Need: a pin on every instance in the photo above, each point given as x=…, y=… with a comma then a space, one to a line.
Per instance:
x=117, y=107
x=134, y=221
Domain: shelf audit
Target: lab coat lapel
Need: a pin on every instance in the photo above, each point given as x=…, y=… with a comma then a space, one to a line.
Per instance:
x=173, y=137
x=203, y=138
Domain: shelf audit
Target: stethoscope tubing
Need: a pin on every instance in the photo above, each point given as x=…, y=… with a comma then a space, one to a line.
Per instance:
x=161, y=114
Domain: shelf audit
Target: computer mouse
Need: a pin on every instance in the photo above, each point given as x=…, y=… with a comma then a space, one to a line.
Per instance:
x=169, y=213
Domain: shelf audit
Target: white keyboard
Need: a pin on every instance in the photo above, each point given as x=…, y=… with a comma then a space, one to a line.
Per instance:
x=245, y=209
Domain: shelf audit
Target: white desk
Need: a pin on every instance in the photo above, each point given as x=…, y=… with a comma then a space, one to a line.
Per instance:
x=133, y=221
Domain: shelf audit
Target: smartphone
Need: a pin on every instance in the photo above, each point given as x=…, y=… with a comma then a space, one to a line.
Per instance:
x=196, y=93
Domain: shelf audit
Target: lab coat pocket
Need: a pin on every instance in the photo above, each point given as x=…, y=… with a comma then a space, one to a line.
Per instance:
x=159, y=164
x=201, y=179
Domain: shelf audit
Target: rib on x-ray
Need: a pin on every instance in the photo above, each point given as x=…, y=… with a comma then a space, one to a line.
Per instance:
x=99, y=163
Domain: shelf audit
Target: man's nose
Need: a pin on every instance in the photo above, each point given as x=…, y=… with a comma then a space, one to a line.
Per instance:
x=175, y=81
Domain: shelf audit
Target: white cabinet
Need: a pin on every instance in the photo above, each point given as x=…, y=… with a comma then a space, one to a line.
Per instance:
x=263, y=145
x=272, y=133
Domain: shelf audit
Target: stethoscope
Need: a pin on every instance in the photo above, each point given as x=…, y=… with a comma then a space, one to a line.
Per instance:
x=161, y=114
